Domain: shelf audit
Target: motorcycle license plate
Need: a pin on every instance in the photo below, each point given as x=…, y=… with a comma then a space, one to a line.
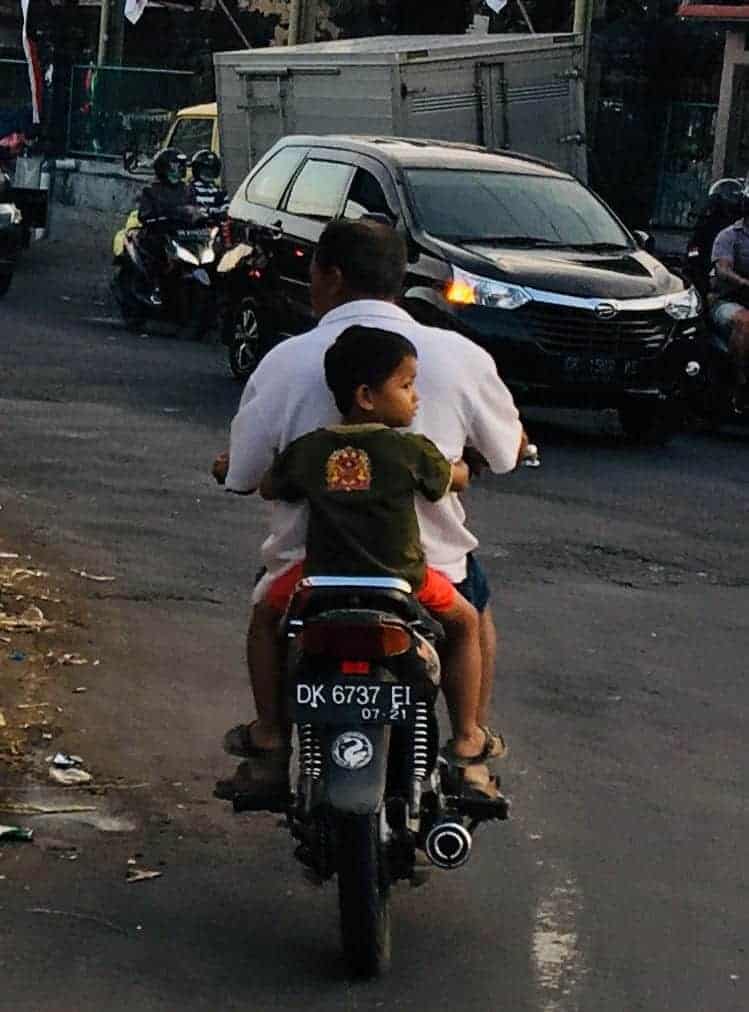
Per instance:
x=345, y=702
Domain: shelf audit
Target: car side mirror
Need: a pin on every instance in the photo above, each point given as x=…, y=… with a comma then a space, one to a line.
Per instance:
x=644, y=240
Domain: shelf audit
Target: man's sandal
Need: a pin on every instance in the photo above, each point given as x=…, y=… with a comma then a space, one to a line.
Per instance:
x=238, y=741
x=495, y=747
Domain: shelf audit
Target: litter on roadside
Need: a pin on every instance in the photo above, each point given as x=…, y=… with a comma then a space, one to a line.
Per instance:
x=64, y=761
x=3, y=721
x=93, y=576
x=15, y=833
x=17, y=655
x=23, y=574
x=9, y=555
x=30, y=620
x=23, y=808
x=141, y=874
x=80, y=688
x=71, y=777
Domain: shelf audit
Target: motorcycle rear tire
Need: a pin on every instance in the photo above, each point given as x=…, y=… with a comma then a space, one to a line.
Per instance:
x=5, y=280
x=131, y=310
x=363, y=895
x=649, y=424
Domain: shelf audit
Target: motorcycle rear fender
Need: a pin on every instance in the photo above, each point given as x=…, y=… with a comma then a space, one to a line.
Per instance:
x=357, y=791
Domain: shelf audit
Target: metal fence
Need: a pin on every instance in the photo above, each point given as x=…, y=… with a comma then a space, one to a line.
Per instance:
x=114, y=108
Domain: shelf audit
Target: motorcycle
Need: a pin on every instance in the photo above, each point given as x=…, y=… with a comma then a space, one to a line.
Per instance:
x=373, y=793
x=187, y=295
x=11, y=233
x=710, y=396
x=247, y=280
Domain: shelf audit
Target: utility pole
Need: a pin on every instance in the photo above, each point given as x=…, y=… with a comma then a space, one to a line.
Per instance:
x=111, y=33
x=582, y=25
x=302, y=21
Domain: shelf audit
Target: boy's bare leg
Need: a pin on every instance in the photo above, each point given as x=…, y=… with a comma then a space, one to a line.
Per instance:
x=463, y=676
x=264, y=662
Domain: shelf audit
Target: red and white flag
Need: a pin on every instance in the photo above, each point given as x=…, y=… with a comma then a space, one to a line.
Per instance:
x=134, y=9
x=32, y=59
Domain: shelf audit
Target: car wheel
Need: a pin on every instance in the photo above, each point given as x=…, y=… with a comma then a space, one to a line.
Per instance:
x=243, y=336
x=652, y=424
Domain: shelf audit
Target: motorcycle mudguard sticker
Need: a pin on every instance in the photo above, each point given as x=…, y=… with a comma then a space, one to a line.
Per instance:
x=355, y=767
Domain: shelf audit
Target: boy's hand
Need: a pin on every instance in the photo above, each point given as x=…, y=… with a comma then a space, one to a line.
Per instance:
x=523, y=448
x=461, y=476
x=220, y=467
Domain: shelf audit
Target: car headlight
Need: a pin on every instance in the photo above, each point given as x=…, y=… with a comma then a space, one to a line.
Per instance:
x=186, y=255
x=684, y=305
x=10, y=214
x=470, y=290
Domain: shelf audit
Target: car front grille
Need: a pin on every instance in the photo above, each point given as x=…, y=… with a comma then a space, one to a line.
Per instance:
x=563, y=330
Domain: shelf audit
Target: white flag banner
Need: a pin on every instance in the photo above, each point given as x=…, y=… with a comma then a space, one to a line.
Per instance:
x=134, y=9
x=496, y=5
x=32, y=61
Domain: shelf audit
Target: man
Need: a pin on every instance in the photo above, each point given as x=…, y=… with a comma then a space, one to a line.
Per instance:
x=357, y=274
x=731, y=296
x=167, y=198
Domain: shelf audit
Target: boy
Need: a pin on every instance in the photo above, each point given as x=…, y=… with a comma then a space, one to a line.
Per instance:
x=359, y=480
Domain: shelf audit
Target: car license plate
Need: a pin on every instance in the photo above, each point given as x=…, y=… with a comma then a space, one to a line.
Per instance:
x=591, y=368
x=344, y=702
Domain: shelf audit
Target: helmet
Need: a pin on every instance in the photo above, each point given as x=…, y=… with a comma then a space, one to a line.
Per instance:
x=726, y=196
x=170, y=166
x=206, y=166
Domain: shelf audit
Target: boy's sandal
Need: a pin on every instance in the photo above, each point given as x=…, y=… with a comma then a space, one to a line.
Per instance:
x=238, y=741
x=495, y=747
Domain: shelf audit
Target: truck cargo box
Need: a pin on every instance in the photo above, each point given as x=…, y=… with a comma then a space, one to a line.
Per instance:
x=519, y=92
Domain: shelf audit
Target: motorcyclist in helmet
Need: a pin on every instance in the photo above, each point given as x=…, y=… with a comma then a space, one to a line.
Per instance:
x=204, y=189
x=165, y=202
x=722, y=208
x=729, y=307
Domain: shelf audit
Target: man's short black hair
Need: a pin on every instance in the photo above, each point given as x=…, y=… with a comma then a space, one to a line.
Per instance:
x=363, y=356
x=371, y=257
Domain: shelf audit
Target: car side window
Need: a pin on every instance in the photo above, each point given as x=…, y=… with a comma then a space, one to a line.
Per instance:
x=366, y=196
x=268, y=185
x=318, y=190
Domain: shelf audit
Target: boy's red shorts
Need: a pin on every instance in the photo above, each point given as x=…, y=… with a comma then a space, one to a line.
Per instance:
x=436, y=593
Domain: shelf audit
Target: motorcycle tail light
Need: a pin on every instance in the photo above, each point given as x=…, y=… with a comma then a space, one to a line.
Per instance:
x=355, y=642
x=355, y=667
x=226, y=232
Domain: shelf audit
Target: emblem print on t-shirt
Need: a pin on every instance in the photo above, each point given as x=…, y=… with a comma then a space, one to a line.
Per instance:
x=348, y=470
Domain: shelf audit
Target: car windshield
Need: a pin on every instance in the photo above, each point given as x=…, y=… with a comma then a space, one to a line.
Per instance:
x=466, y=206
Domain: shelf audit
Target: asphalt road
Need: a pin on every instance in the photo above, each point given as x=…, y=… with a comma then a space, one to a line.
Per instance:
x=620, y=578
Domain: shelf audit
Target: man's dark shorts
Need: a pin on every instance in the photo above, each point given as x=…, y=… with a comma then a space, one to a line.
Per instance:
x=475, y=587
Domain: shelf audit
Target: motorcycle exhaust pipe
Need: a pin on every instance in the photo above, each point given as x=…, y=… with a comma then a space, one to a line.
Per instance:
x=448, y=844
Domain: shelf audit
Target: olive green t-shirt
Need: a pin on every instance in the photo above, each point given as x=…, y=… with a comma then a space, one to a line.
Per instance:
x=359, y=481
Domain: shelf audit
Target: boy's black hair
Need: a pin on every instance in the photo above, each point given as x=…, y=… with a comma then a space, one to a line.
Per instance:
x=371, y=257
x=363, y=355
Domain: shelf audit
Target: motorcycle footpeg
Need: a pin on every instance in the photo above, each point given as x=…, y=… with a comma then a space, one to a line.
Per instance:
x=479, y=809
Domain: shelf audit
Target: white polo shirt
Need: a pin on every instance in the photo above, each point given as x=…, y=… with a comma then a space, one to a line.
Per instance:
x=462, y=401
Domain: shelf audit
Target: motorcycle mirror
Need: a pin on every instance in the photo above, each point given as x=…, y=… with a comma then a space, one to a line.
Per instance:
x=130, y=160
x=644, y=240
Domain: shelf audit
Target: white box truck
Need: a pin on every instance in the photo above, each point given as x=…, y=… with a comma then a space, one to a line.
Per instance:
x=519, y=92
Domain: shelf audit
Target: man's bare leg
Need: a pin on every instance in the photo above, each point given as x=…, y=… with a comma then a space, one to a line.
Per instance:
x=488, y=644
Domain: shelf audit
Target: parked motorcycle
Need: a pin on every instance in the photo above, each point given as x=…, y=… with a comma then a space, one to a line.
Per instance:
x=247, y=280
x=710, y=396
x=181, y=289
x=11, y=233
x=372, y=790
